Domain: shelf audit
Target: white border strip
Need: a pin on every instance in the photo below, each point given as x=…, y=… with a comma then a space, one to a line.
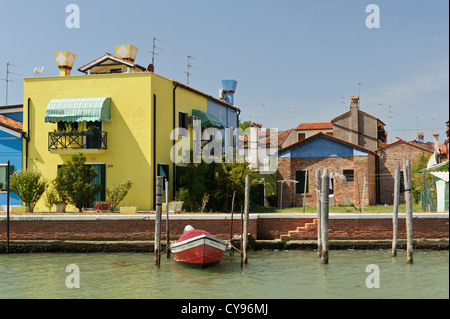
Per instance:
x=212, y=217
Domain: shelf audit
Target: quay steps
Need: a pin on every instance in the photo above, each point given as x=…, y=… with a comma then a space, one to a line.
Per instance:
x=308, y=231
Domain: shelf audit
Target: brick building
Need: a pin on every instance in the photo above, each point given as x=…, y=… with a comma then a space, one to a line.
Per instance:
x=351, y=167
x=388, y=157
x=359, y=128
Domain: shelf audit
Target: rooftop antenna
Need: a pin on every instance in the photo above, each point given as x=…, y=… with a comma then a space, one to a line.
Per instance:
x=343, y=103
x=38, y=70
x=391, y=111
x=189, y=66
x=7, y=80
x=359, y=92
x=153, y=51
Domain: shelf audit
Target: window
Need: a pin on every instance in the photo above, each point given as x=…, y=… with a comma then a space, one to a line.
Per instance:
x=302, y=178
x=331, y=187
x=300, y=136
x=116, y=70
x=182, y=123
x=349, y=175
x=3, y=175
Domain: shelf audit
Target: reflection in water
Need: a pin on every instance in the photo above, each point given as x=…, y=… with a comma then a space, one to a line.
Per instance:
x=268, y=274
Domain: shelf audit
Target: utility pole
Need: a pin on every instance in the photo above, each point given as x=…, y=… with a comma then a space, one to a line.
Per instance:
x=7, y=80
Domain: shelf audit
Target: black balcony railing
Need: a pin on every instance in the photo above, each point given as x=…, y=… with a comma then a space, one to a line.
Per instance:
x=77, y=140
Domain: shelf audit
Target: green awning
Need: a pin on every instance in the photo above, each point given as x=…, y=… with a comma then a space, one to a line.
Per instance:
x=208, y=120
x=89, y=109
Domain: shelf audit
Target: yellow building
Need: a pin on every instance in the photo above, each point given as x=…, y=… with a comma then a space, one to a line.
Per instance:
x=119, y=115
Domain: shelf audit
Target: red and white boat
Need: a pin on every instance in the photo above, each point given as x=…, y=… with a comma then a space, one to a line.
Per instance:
x=197, y=247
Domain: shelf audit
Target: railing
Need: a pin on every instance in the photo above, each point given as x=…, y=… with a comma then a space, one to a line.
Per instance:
x=77, y=140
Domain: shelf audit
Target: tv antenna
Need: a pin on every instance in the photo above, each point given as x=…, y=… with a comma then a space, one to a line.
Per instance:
x=38, y=70
x=343, y=103
x=359, y=89
x=189, y=66
x=391, y=111
x=7, y=80
x=153, y=51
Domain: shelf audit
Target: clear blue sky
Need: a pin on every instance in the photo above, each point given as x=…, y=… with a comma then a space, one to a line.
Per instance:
x=293, y=60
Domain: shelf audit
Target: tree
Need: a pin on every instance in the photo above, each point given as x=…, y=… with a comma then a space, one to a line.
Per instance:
x=218, y=180
x=29, y=186
x=74, y=180
x=245, y=125
x=421, y=180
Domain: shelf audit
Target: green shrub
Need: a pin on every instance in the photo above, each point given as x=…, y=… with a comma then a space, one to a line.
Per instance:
x=29, y=186
x=117, y=193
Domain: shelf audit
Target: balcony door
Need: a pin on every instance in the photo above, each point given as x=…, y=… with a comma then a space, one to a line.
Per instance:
x=94, y=140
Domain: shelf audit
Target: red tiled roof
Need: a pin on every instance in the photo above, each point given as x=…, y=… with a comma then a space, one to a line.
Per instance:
x=10, y=123
x=315, y=126
x=399, y=140
x=283, y=135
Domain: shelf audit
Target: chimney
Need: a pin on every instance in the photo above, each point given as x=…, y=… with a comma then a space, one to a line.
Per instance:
x=127, y=52
x=229, y=87
x=436, y=148
x=65, y=61
x=420, y=137
x=354, y=119
x=436, y=142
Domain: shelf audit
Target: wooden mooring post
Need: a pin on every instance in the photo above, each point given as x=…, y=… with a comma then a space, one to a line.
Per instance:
x=409, y=217
x=159, y=191
x=395, y=210
x=324, y=216
x=231, y=224
x=7, y=206
x=246, y=213
x=167, y=221
x=319, y=211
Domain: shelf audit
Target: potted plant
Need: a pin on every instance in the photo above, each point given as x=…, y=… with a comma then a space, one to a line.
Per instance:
x=102, y=206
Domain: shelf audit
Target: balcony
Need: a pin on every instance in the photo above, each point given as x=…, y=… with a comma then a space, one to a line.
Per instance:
x=89, y=142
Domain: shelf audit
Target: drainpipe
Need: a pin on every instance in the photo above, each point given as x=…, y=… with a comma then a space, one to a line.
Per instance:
x=27, y=135
x=154, y=151
x=174, y=184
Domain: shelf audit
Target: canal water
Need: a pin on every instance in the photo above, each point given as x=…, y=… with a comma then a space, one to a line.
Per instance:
x=292, y=274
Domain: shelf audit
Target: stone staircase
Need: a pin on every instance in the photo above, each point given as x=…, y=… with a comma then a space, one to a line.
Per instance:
x=308, y=231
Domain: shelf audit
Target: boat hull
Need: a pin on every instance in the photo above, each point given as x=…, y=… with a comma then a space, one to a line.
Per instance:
x=199, y=251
